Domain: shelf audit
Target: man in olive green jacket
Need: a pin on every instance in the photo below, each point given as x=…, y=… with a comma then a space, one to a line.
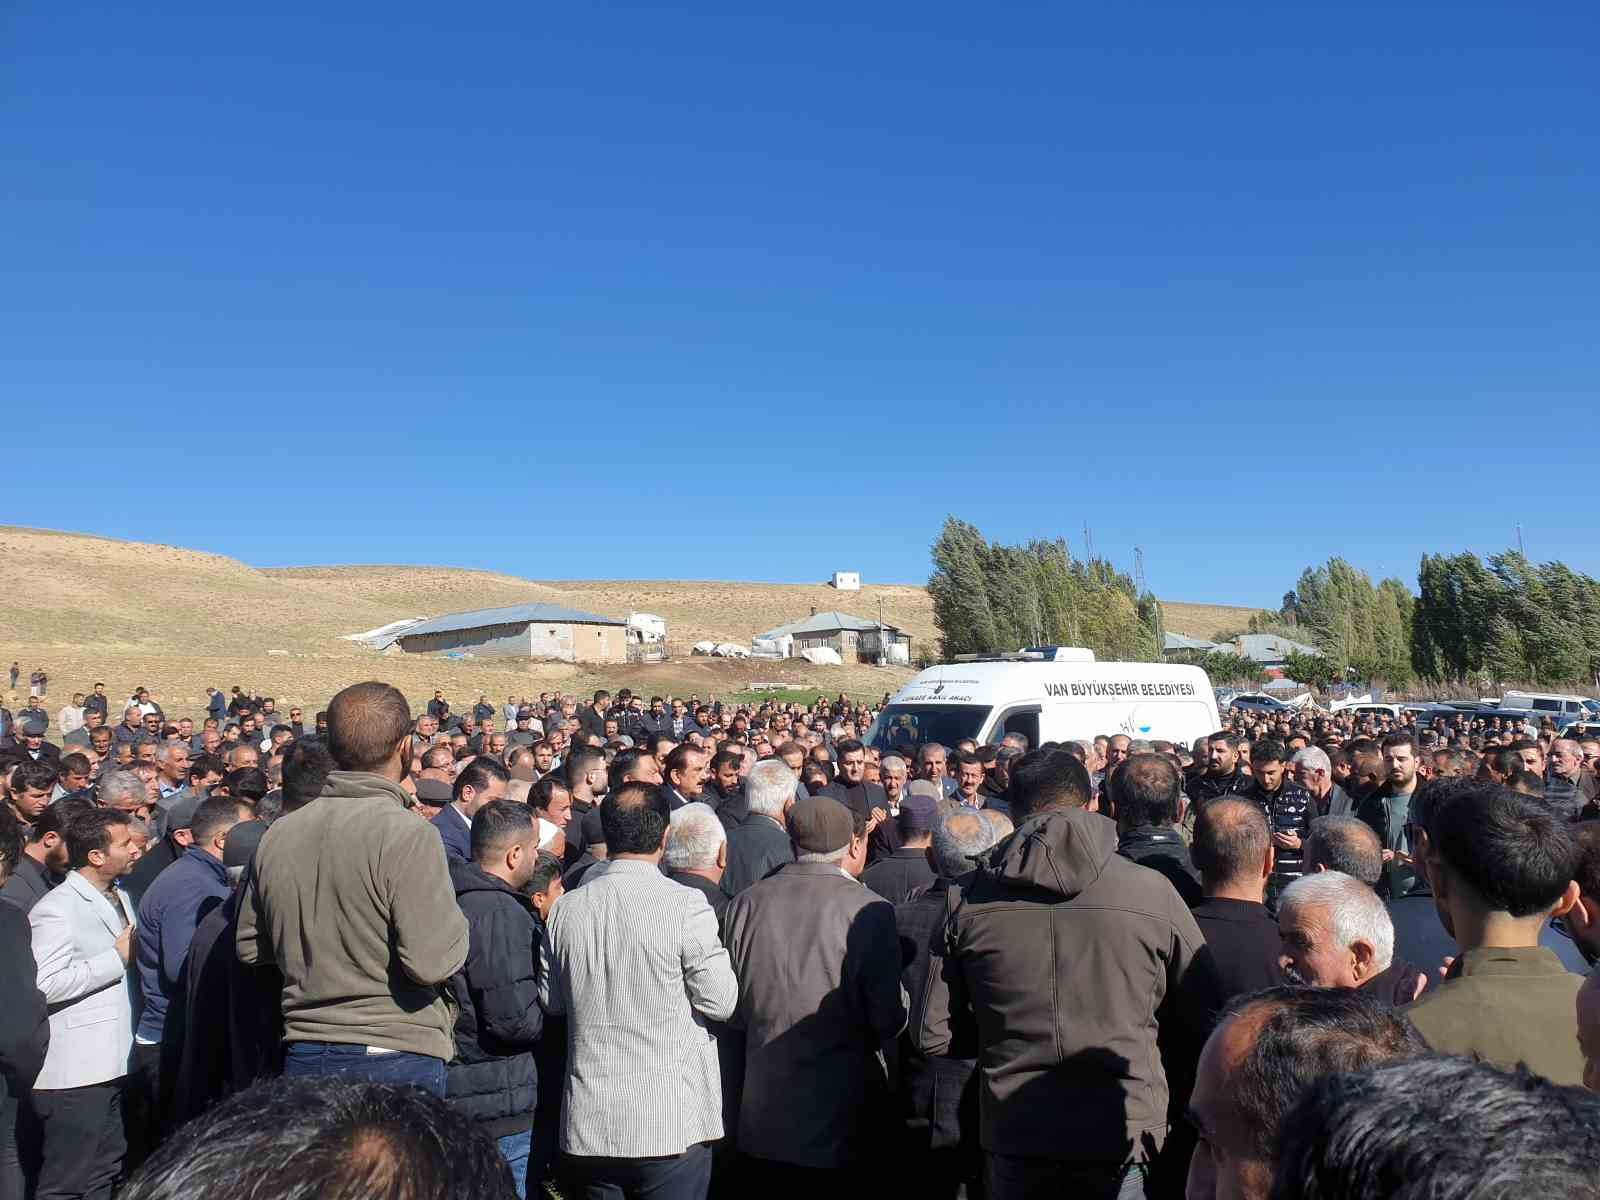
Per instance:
x=351, y=900
x=1500, y=866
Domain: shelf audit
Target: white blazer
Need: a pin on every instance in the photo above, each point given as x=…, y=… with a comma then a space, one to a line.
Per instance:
x=85, y=983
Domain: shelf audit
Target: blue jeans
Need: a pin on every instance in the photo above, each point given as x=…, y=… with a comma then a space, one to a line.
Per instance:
x=514, y=1149
x=353, y=1062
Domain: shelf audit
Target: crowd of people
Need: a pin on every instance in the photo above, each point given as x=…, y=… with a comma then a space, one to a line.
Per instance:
x=622, y=947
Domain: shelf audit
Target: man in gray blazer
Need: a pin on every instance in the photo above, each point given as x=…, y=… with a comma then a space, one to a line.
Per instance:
x=818, y=962
x=82, y=934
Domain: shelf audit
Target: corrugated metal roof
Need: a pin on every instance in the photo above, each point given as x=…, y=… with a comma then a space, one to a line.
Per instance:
x=826, y=622
x=1177, y=641
x=516, y=614
x=1266, y=647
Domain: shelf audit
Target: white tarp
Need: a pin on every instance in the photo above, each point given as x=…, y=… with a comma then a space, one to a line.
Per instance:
x=703, y=648
x=646, y=627
x=822, y=656
x=383, y=636
x=730, y=650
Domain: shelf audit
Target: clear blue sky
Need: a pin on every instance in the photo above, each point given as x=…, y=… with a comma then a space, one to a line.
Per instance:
x=720, y=291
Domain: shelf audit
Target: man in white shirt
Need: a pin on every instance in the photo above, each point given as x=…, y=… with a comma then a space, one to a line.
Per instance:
x=639, y=969
x=82, y=935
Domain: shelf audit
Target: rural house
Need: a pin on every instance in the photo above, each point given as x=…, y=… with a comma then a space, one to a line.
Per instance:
x=543, y=631
x=855, y=640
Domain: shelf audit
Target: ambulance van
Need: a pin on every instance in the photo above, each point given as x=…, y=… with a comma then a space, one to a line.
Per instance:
x=1047, y=695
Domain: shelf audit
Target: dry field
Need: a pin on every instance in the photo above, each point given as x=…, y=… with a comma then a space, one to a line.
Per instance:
x=87, y=608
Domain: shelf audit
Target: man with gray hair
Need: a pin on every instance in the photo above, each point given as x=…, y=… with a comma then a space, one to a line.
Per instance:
x=932, y=1082
x=1335, y=932
x=1570, y=787
x=1313, y=770
x=760, y=844
x=697, y=854
x=884, y=840
x=1345, y=844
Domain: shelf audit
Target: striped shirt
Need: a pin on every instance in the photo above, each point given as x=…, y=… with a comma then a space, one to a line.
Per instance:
x=638, y=968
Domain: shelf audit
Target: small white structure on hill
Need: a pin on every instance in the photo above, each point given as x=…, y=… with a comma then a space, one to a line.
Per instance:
x=846, y=581
x=644, y=628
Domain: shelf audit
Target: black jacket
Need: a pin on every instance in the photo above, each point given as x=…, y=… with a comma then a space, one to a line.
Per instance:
x=1206, y=787
x=492, y=1078
x=900, y=876
x=731, y=807
x=1244, y=943
x=1163, y=851
x=1288, y=810
x=937, y=1090
x=757, y=846
x=24, y=1025
x=28, y=884
x=715, y=896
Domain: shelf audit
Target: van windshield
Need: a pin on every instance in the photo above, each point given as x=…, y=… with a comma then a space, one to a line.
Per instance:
x=906, y=726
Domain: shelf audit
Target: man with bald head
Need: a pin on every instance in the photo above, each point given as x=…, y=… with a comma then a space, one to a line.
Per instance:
x=351, y=900
x=1268, y=1048
x=1233, y=852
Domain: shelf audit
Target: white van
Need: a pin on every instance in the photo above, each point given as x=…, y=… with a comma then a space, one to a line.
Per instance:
x=1554, y=704
x=1047, y=699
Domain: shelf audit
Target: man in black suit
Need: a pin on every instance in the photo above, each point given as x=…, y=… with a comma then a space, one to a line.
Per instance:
x=1233, y=850
x=683, y=776
x=29, y=745
x=851, y=789
x=907, y=871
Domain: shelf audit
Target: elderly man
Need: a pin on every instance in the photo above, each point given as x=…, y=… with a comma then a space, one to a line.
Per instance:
x=1335, y=932
x=697, y=853
x=1266, y=1050
x=1313, y=771
x=931, y=760
x=760, y=843
x=1570, y=787
x=818, y=963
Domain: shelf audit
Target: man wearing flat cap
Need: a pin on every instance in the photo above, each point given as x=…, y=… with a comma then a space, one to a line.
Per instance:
x=818, y=963
x=904, y=873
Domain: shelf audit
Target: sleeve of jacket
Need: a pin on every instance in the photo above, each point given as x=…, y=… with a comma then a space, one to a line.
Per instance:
x=249, y=945
x=24, y=1019
x=872, y=963
x=63, y=973
x=502, y=977
x=430, y=933
x=707, y=970
x=1193, y=997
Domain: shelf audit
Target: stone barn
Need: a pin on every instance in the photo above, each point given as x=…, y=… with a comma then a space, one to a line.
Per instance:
x=533, y=631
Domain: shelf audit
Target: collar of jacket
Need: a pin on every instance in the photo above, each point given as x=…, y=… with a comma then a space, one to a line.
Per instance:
x=822, y=869
x=210, y=862
x=363, y=785
x=1503, y=960
x=1150, y=835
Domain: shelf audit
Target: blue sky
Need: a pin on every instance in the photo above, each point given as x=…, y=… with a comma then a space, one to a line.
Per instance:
x=761, y=291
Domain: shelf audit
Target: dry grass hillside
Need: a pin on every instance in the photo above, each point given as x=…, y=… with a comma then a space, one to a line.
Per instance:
x=176, y=620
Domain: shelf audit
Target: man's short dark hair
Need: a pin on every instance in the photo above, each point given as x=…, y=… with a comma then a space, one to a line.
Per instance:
x=215, y=814
x=1393, y=740
x=305, y=772
x=546, y=868
x=366, y=721
x=1512, y=851
x=298, y=1138
x=91, y=830
x=1586, y=834
x=1269, y=750
x=1346, y=844
x=1440, y=1128
x=678, y=760
x=478, y=775
x=247, y=783
x=1046, y=779
x=1230, y=740
x=581, y=760
x=634, y=819
x=847, y=746
x=1145, y=790
x=498, y=824
x=202, y=765
x=539, y=794
x=1231, y=837
x=55, y=817
x=1302, y=1035
x=34, y=776
x=11, y=842
x=75, y=764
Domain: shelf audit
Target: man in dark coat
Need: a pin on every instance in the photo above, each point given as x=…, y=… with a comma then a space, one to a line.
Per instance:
x=697, y=853
x=1146, y=791
x=24, y=1022
x=1288, y=808
x=492, y=1078
x=1233, y=850
x=1223, y=775
x=760, y=843
x=723, y=790
x=851, y=789
x=907, y=871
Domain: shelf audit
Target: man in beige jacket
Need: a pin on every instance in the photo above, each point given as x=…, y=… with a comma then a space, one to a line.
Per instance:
x=351, y=900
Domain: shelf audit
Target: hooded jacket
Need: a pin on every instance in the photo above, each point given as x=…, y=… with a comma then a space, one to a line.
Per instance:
x=1077, y=971
x=492, y=1078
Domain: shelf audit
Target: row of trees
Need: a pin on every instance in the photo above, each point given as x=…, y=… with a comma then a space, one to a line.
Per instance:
x=1501, y=622
x=989, y=598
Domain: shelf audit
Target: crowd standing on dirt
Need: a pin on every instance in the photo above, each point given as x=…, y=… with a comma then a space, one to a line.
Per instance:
x=671, y=948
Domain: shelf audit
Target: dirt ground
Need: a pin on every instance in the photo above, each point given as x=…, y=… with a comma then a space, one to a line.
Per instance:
x=174, y=620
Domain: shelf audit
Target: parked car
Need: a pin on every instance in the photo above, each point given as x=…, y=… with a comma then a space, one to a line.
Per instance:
x=1259, y=702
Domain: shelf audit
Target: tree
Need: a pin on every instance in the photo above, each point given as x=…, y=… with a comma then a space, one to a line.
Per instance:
x=960, y=602
x=1310, y=669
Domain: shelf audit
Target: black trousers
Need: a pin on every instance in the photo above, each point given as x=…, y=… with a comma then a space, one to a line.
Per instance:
x=10, y=1162
x=683, y=1176
x=141, y=1104
x=81, y=1141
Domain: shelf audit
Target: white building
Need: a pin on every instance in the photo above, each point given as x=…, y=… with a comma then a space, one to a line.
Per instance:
x=847, y=581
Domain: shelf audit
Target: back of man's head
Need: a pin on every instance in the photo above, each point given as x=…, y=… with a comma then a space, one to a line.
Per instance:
x=214, y=815
x=960, y=836
x=305, y=770
x=1047, y=779
x=694, y=839
x=1145, y=790
x=366, y=721
x=769, y=788
x=580, y=761
x=1346, y=844
x=291, y=1138
x=479, y=774
x=1231, y=841
x=1513, y=853
x=497, y=826
x=634, y=819
x=1439, y=1129
x=1296, y=1036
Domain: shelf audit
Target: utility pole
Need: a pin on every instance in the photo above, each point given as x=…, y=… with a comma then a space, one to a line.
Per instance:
x=1520, y=550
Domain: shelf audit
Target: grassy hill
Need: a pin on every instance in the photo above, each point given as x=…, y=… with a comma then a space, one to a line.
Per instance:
x=176, y=620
